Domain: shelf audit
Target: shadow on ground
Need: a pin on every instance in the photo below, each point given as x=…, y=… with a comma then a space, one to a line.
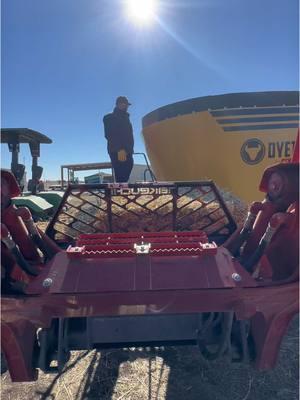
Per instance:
x=171, y=373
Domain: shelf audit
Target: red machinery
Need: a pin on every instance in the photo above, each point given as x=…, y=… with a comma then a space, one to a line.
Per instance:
x=149, y=264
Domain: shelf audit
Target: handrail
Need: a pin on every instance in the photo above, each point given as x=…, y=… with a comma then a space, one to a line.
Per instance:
x=153, y=177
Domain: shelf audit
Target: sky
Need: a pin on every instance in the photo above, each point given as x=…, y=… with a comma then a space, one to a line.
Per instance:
x=64, y=62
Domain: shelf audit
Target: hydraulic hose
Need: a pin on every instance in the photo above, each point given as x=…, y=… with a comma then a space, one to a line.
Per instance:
x=11, y=245
x=26, y=216
x=276, y=221
x=247, y=228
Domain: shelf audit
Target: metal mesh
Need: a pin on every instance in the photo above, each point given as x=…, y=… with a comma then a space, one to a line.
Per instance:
x=150, y=207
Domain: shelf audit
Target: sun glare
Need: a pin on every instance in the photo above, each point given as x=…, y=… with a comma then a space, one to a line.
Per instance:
x=141, y=11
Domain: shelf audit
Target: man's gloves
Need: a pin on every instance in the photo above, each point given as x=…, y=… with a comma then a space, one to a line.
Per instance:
x=122, y=155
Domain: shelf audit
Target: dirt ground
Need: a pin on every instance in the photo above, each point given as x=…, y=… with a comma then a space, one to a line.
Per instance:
x=174, y=373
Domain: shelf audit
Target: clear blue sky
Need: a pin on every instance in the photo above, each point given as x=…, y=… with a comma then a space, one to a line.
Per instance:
x=65, y=61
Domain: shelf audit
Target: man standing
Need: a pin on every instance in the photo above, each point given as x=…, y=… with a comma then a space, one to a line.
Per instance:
x=118, y=132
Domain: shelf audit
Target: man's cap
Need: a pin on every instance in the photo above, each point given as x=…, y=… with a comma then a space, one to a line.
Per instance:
x=122, y=99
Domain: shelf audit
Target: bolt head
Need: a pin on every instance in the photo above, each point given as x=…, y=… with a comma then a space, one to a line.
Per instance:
x=47, y=282
x=236, y=277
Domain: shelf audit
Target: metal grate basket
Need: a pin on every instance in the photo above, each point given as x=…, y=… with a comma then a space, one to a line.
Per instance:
x=141, y=207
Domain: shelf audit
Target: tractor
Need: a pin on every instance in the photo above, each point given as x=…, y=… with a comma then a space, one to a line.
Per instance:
x=41, y=203
x=149, y=264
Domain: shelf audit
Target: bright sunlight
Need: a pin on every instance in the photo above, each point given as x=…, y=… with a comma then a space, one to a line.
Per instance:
x=141, y=11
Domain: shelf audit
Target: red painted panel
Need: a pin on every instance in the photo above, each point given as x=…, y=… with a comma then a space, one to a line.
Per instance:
x=186, y=272
x=141, y=272
x=97, y=275
x=89, y=275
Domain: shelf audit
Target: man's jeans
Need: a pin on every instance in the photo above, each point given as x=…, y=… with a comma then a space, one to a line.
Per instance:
x=122, y=169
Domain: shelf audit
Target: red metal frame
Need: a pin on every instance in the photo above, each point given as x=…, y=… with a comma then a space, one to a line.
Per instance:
x=22, y=316
x=111, y=276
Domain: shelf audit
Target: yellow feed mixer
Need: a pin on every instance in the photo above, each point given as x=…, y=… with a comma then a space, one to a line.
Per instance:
x=228, y=138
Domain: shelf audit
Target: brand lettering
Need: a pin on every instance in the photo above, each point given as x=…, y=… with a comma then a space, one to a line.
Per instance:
x=280, y=149
x=140, y=191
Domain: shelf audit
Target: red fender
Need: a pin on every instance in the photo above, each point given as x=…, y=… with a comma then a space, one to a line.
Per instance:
x=283, y=251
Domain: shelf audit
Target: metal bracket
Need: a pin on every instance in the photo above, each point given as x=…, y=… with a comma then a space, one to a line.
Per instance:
x=74, y=252
x=143, y=248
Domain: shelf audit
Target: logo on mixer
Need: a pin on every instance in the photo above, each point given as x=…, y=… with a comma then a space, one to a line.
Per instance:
x=253, y=151
x=123, y=191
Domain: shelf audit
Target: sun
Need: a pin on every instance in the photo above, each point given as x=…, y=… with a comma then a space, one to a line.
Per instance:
x=141, y=11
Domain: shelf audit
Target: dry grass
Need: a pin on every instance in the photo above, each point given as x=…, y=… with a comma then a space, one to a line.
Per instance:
x=173, y=373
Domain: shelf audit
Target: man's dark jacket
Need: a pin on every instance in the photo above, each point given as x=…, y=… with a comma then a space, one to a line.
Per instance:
x=118, y=131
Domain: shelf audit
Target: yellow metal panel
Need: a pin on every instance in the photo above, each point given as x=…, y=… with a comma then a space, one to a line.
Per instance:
x=195, y=146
